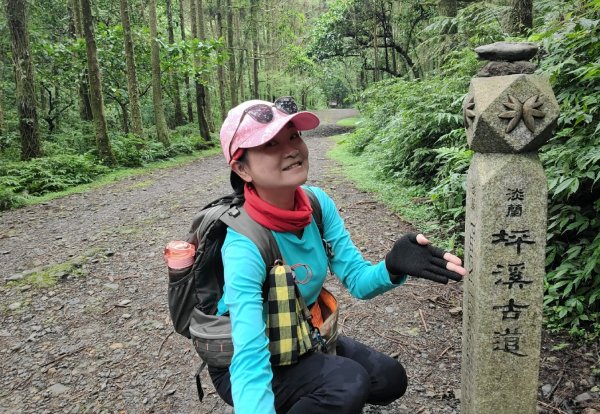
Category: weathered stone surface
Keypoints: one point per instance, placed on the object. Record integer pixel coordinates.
(509, 114)
(508, 51)
(506, 68)
(505, 239)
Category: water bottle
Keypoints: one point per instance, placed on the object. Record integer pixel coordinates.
(179, 256)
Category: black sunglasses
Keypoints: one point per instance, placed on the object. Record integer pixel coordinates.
(263, 113)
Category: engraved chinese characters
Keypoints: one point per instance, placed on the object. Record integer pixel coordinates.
(507, 119)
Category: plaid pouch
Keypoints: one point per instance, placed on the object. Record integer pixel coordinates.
(287, 327)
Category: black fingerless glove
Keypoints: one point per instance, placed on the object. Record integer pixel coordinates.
(408, 257)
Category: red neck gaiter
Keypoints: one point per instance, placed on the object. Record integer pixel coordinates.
(275, 218)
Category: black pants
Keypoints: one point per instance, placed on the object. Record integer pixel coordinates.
(321, 383)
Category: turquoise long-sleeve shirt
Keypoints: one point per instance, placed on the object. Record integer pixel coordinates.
(245, 273)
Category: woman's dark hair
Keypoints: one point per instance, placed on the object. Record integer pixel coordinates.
(236, 181)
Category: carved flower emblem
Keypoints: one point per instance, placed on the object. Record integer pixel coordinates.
(527, 110)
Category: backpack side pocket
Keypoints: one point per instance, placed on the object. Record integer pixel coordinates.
(181, 299)
(211, 335)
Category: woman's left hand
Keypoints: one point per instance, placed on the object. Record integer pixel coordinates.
(413, 255)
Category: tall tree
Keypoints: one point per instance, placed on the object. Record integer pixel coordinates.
(242, 46)
(255, 58)
(159, 112)
(186, 78)
(132, 83)
(200, 91)
(85, 107)
(233, 88)
(16, 16)
(96, 98)
(521, 17)
(174, 81)
(202, 37)
(220, 70)
(2, 127)
(447, 8)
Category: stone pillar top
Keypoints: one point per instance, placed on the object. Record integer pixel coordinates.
(507, 58)
(507, 51)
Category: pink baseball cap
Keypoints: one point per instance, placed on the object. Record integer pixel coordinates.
(241, 130)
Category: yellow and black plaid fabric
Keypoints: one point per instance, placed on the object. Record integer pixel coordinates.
(288, 331)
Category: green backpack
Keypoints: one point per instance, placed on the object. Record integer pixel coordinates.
(194, 293)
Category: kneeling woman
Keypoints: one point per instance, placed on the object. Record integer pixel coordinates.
(269, 160)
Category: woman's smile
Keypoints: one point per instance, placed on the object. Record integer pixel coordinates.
(292, 166)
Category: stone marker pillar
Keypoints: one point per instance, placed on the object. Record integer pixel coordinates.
(508, 113)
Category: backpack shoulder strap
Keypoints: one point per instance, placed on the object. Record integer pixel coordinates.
(241, 222)
(317, 211)
(318, 216)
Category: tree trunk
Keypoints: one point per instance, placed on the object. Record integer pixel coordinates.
(200, 93)
(447, 8)
(124, 116)
(97, 101)
(375, 56)
(132, 84)
(159, 113)
(232, 81)
(16, 17)
(202, 36)
(220, 71)
(186, 78)
(255, 58)
(2, 126)
(85, 106)
(521, 17)
(179, 118)
(242, 46)
(240, 74)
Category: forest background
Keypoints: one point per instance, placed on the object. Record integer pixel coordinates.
(89, 90)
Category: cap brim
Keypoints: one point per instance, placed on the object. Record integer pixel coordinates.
(303, 121)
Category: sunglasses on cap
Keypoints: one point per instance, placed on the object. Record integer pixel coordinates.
(263, 113)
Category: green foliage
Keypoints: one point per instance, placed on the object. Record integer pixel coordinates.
(405, 121)
(411, 131)
(132, 151)
(328, 38)
(77, 138)
(572, 163)
(44, 175)
(449, 189)
(128, 149)
(9, 199)
(186, 140)
(478, 24)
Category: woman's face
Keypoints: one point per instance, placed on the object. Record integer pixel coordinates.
(280, 163)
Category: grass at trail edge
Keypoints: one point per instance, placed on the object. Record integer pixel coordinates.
(410, 203)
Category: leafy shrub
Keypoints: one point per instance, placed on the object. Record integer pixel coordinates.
(9, 199)
(186, 139)
(411, 131)
(448, 193)
(153, 151)
(78, 138)
(128, 150)
(406, 120)
(48, 174)
(572, 163)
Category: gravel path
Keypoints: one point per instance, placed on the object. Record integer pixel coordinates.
(101, 341)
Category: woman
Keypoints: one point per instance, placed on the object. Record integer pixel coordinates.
(269, 161)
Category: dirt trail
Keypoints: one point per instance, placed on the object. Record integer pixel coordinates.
(101, 340)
